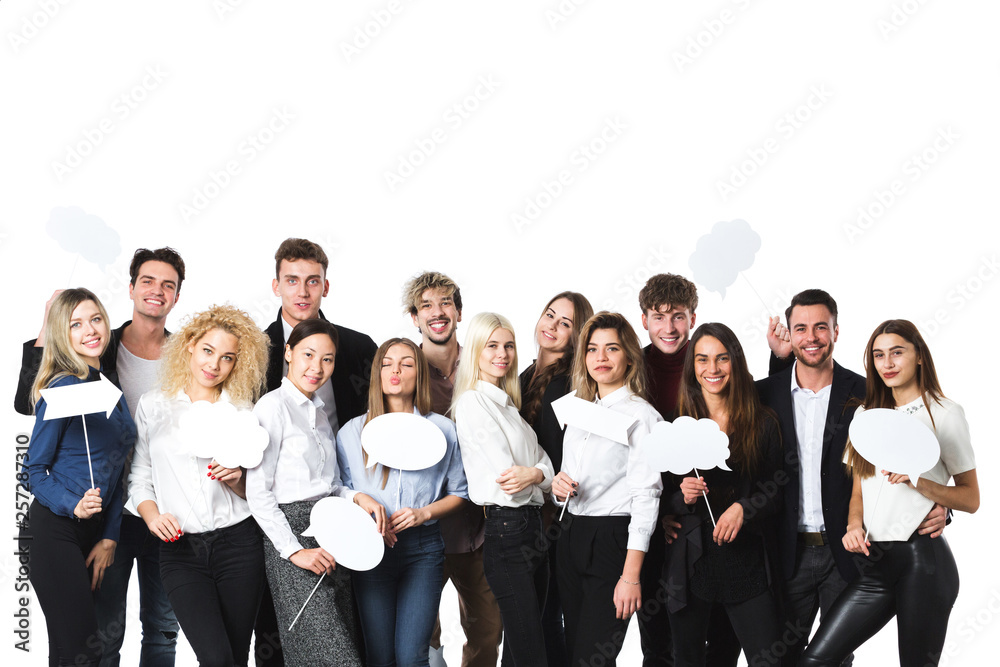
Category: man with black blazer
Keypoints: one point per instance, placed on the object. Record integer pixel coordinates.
(815, 399)
(300, 281)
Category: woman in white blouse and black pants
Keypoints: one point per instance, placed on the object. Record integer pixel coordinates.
(300, 467)
(507, 473)
(213, 572)
(613, 495)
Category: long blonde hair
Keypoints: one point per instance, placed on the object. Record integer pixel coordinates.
(480, 329)
(246, 381)
(59, 359)
(378, 405)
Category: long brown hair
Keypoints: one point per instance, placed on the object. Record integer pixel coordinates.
(746, 413)
(540, 379)
(878, 395)
(635, 377)
(378, 405)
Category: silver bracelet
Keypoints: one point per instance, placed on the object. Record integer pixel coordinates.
(630, 583)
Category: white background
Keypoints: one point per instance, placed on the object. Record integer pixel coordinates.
(884, 81)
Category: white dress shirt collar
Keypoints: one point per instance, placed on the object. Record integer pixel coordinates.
(620, 394)
(494, 393)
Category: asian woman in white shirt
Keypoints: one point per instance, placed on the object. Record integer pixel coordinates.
(213, 571)
(508, 473)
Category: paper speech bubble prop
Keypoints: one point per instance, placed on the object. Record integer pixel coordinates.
(592, 418)
(684, 445)
(347, 532)
(720, 255)
(219, 431)
(404, 441)
(895, 441)
(77, 231)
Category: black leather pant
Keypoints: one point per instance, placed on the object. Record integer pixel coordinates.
(916, 581)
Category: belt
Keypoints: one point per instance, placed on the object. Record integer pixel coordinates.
(500, 510)
(813, 539)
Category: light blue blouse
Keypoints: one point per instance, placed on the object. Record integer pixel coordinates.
(417, 488)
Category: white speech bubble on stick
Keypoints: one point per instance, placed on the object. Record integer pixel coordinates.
(404, 441)
(573, 411)
(219, 431)
(895, 441)
(685, 444)
(347, 533)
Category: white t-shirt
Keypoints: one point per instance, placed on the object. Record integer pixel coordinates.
(137, 376)
(901, 509)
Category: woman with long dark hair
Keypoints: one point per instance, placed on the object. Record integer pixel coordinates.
(907, 575)
(73, 467)
(213, 566)
(725, 563)
(544, 381)
(398, 599)
(613, 496)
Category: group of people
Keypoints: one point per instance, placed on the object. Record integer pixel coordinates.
(553, 535)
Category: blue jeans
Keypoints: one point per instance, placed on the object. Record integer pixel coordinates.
(159, 625)
(399, 598)
(515, 560)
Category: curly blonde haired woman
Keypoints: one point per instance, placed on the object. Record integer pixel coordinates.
(213, 573)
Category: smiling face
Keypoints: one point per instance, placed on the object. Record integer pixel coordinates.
(554, 331)
(897, 363)
(301, 284)
(606, 360)
(437, 316)
(399, 371)
(310, 363)
(712, 365)
(88, 333)
(499, 357)
(213, 357)
(155, 291)
(668, 327)
(813, 333)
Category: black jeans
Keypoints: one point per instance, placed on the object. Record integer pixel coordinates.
(57, 548)
(916, 581)
(214, 581)
(515, 561)
(755, 622)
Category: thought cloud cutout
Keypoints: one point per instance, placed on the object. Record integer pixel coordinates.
(684, 445)
(82, 233)
(404, 441)
(720, 255)
(895, 441)
(347, 532)
(219, 431)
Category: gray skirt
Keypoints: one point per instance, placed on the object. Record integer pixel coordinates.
(326, 632)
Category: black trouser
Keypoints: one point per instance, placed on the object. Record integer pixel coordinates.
(916, 581)
(57, 548)
(591, 555)
(755, 622)
(214, 581)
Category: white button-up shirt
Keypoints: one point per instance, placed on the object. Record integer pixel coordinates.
(809, 414)
(493, 437)
(614, 479)
(300, 461)
(165, 471)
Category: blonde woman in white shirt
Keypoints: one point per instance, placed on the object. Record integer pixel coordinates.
(907, 575)
(613, 495)
(213, 572)
(507, 473)
(300, 467)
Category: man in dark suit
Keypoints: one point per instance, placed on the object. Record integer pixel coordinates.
(300, 281)
(814, 398)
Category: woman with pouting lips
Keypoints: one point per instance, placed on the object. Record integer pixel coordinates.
(544, 381)
(213, 571)
(398, 599)
(508, 473)
(726, 563)
(612, 496)
(907, 575)
(300, 467)
(73, 467)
